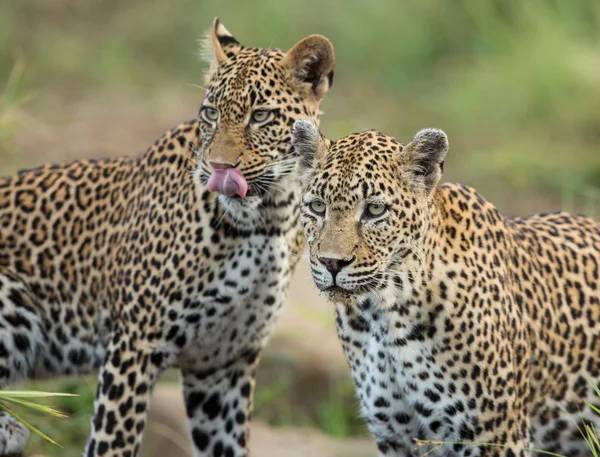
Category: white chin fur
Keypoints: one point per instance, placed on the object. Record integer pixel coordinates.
(243, 212)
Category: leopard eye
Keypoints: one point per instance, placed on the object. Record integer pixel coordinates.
(209, 114)
(260, 116)
(318, 207)
(375, 210)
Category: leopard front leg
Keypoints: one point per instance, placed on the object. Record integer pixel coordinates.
(22, 342)
(13, 435)
(125, 385)
(219, 404)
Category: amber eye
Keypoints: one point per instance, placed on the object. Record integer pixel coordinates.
(318, 207)
(209, 114)
(260, 116)
(375, 210)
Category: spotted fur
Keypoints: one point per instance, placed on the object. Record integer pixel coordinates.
(458, 324)
(131, 265)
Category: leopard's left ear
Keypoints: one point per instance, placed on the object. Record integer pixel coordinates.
(422, 160)
(310, 64)
(309, 145)
(218, 46)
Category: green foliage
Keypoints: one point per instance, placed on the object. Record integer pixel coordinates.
(586, 201)
(590, 434)
(339, 415)
(591, 438)
(515, 84)
(12, 102)
(8, 398)
(71, 432)
(269, 394)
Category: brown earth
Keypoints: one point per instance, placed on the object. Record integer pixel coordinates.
(167, 435)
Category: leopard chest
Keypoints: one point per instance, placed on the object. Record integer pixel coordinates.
(404, 391)
(236, 301)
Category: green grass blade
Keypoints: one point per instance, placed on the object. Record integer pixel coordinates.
(591, 439)
(596, 447)
(596, 388)
(28, 425)
(596, 441)
(595, 408)
(35, 406)
(594, 436)
(31, 394)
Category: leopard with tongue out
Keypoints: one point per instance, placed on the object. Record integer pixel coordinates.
(179, 257)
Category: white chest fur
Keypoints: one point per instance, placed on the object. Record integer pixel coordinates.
(404, 391)
(239, 302)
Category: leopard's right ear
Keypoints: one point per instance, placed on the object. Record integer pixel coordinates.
(218, 46)
(309, 146)
(422, 160)
(310, 65)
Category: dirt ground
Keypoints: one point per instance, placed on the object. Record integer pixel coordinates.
(167, 435)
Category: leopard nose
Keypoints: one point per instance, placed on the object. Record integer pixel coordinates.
(335, 265)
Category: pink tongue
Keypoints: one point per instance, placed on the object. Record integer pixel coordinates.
(229, 182)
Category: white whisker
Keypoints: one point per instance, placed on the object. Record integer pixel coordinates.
(196, 86)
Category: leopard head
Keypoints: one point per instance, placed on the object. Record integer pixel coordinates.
(253, 97)
(367, 205)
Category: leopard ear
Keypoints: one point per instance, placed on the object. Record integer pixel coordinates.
(218, 46)
(422, 160)
(309, 146)
(310, 64)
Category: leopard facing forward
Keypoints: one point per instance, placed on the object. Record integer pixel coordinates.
(459, 325)
(133, 265)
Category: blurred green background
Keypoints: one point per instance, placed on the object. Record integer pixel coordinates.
(515, 84)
